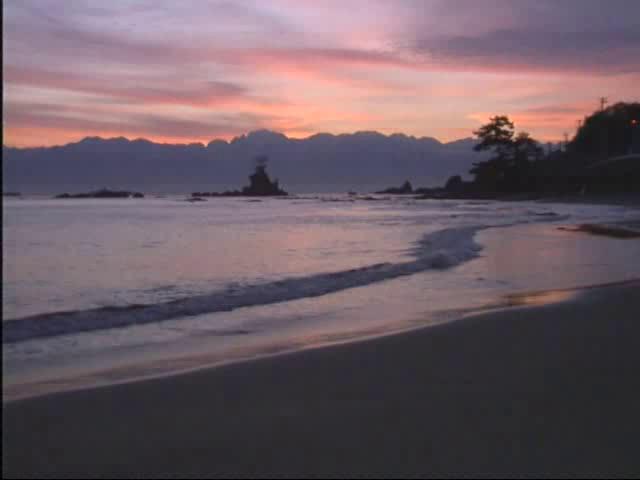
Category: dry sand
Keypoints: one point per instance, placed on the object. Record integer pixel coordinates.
(540, 390)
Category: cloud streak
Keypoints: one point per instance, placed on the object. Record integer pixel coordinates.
(572, 36)
(601, 52)
(108, 122)
(418, 66)
(134, 89)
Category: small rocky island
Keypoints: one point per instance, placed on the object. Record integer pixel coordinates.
(405, 189)
(260, 185)
(103, 193)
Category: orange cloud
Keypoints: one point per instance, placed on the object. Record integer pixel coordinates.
(136, 89)
(546, 122)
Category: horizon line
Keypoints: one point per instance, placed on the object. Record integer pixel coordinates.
(235, 138)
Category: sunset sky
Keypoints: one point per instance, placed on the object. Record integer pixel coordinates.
(195, 70)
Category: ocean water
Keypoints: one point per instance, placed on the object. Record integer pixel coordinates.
(98, 291)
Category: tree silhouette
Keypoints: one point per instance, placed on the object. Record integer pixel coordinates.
(606, 133)
(599, 159)
(509, 169)
(526, 151)
(495, 136)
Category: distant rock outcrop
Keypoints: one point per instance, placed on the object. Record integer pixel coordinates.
(103, 193)
(455, 187)
(454, 184)
(260, 185)
(405, 189)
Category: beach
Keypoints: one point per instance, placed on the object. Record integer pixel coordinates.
(286, 242)
(531, 390)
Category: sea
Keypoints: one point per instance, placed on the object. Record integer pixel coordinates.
(101, 291)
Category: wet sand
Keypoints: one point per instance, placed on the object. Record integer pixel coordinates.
(615, 231)
(532, 390)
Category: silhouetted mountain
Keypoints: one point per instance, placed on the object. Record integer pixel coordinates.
(365, 161)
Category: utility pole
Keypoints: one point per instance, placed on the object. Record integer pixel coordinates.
(566, 140)
(603, 103)
(634, 147)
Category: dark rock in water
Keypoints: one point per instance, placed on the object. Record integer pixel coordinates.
(405, 189)
(455, 188)
(103, 193)
(11, 194)
(454, 184)
(260, 185)
(195, 199)
(430, 192)
(369, 198)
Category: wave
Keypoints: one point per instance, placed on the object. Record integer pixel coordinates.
(438, 250)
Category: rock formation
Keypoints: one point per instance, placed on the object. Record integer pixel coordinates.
(260, 185)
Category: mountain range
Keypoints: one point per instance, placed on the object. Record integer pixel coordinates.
(362, 161)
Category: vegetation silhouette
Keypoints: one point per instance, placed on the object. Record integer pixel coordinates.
(510, 167)
(602, 157)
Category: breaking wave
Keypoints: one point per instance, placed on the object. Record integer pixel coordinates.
(439, 250)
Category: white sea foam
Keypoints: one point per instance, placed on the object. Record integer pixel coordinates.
(438, 250)
(104, 267)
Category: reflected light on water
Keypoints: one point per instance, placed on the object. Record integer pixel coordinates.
(540, 298)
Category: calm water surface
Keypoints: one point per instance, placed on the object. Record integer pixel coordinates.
(103, 290)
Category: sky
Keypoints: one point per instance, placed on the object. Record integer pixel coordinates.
(196, 70)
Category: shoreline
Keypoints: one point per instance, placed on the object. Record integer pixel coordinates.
(615, 199)
(187, 361)
(109, 377)
(533, 389)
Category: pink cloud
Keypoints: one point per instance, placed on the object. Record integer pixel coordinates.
(137, 89)
(546, 122)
